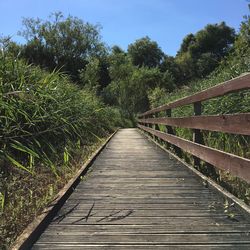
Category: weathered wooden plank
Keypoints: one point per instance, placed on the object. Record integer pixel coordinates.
(145, 167)
(144, 247)
(149, 197)
(233, 85)
(154, 229)
(129, 220)
(141, 179)
(100, 213)
(145, 200)
(146, 203)
(236, 165)
(150, 206)
(170, 185)
(141, 190)
(149, 239)
(153, 174)
(235, 123)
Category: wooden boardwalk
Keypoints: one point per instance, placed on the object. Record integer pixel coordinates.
(136, 196)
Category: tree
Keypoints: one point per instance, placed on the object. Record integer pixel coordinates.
(144, 52)
(90, 76)
(173, 69)
(242, 43)
(63, 43)
(186, 43)
(216, 39)
(201, 53)
(116, 50)
(157, 97)
(129, 83)
(96, 75)
(9, 47)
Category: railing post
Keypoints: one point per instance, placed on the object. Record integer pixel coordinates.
(144, 117)
(172, 132)
(169, 128)
(150, 126)
(156, 127)
(145, 124)
(153, 127)
(197, 135)
(198, 138)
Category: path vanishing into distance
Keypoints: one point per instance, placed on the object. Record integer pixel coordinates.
(137, 196)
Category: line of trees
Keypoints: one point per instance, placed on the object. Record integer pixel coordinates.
(121, 78)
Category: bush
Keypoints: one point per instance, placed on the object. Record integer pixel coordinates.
(40, 113)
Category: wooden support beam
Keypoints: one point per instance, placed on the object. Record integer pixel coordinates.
(234, 123)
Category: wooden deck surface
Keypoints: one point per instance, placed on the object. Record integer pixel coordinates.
(136, 196)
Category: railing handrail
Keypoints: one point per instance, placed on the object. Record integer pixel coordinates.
(228, 123)
(236, 84)
(236, 165)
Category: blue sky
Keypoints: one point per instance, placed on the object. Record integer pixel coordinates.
(124, 21)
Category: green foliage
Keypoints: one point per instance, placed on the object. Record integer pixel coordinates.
(10, 47)
(156, 96)
(62, 43)
(2, 202)
(40, 113)
(239, 60)
(201, 53)
(129, 85)
(144, 52)
(95, 75)
(215, 39)
(242, 43)
(90, 76)
(173, 69)
(187, 42)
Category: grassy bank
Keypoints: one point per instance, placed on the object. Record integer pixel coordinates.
(48, 126)
(28, 195)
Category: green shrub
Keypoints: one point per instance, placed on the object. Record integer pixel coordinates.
(41, 113)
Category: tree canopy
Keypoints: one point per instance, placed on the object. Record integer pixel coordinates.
(201, 53)
(145, 52)
(65, 43)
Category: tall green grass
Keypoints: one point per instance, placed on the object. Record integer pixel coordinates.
(232, 66)
(42, 114)
(46, 124)
(44, 118)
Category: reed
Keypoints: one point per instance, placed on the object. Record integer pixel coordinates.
(47, 124)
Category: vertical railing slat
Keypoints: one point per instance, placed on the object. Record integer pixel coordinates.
(172, 132)
(197, 134)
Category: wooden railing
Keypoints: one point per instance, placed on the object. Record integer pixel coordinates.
(229, 123)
